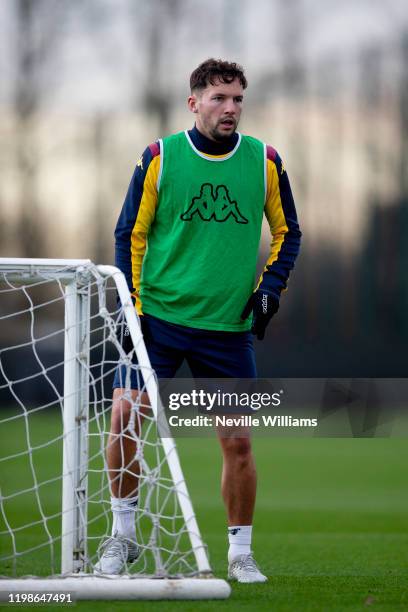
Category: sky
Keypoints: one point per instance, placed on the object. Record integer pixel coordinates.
(98, 59)
(99, 63)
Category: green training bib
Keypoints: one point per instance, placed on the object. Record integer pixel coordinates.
(200, 263)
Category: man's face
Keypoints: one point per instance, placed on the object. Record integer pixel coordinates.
(218, 108)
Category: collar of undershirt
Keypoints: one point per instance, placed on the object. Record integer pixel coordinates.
(210, 147)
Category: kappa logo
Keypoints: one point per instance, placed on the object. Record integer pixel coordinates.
(213, 203)
(265, 303)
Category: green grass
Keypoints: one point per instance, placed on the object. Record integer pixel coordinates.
(330, 528)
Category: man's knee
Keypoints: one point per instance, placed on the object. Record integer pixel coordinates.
(237, 449)
(122, 407)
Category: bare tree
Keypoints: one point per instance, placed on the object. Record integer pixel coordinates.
(101, 241)
(161, 25)
(403, 107)
(37, 25)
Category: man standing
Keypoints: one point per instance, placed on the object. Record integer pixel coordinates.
(187, 241)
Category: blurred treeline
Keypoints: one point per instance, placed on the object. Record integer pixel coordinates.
(85, 86)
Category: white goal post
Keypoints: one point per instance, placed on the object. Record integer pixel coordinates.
(60, 344)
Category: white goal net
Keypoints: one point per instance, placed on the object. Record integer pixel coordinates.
(61, 323)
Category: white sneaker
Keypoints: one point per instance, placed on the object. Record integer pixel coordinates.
(244, 569)
(115, 553)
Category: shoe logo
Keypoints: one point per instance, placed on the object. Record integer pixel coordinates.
(234, 531)
(213, 203)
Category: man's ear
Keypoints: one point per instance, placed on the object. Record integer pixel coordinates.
(192, 103)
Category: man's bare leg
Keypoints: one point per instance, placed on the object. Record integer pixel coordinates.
(124, 473)
(122, 447)
(238, 487)
(238, 481)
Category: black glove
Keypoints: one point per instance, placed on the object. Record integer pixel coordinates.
(122, 330)
(263, 306)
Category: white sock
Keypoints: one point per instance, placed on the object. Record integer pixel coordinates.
(239, 537)
(124, 511)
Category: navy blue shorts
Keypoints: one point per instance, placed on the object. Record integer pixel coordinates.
(209, 354)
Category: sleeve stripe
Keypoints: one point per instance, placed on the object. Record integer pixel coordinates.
(154, 149)
(286, 238)
(161, 151)
(129, 213)
(266, 171)
(145, 216)
(291, 242)
(271, 153)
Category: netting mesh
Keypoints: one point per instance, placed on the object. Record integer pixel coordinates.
(32, 404)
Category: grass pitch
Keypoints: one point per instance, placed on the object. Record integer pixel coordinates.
(330, 528)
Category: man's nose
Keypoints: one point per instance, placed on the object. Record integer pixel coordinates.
(230, 106)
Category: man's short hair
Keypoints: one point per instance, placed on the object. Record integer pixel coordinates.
(212, 70)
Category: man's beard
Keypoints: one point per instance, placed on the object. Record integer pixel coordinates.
(220, 137)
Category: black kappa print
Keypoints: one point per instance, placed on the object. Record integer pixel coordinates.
(213, 204)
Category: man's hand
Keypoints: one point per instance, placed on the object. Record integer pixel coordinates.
(122, 331)
(263, 306)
